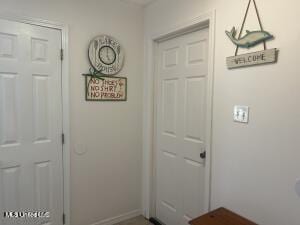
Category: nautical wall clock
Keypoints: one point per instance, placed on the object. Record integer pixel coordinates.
(106, 55)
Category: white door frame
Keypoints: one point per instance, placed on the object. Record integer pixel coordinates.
(65, 98)
(149, 110)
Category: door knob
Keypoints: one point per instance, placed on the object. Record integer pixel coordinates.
(203, 155)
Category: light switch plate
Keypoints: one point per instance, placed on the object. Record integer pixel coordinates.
(241, 114)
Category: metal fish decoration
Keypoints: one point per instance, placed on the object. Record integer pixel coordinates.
(251, 39)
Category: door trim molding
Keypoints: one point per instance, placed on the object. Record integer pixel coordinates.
(65, 97)
(149, 107)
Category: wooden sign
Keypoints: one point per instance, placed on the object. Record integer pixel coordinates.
(249, 40)
(106, 88)
(251, 59)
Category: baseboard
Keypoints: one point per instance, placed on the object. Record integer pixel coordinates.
(120, 218)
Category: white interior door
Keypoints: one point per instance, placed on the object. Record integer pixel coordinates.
(182, 85)
(31, 174)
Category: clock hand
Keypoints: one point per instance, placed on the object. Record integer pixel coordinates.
(107, 55)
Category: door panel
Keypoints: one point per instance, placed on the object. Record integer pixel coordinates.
(8, 45)
(40, 108)
(9, 119)
(194, 175)
(31, 172)
(10, 178)
(169, 107)
(170, 57)
(194, 113)
(182, 74)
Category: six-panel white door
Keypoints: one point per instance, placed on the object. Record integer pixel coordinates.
(31, 169)
(182, 83)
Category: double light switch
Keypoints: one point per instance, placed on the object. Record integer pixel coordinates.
(241, 114)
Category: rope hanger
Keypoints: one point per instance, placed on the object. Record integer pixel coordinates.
(243, 24)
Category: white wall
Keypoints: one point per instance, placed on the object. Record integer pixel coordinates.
(255, 166)
(105, 182)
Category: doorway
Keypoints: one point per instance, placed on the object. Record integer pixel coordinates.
(32, 165)
(182, 121)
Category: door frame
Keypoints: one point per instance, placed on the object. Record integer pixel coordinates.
(65, 97)
(150, 109)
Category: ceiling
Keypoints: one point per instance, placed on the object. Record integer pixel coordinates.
(139, 2)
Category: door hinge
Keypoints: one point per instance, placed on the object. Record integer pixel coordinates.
(61, 54)
(63, 138)
(64, 218)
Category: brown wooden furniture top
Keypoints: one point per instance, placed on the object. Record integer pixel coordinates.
(221, 216)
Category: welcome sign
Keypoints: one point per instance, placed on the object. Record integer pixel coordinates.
(249, 40)
(106, 88)
(251, 59)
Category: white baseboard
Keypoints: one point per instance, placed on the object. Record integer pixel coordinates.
(120, 218)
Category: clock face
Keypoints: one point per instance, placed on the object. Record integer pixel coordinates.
(106, 55)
